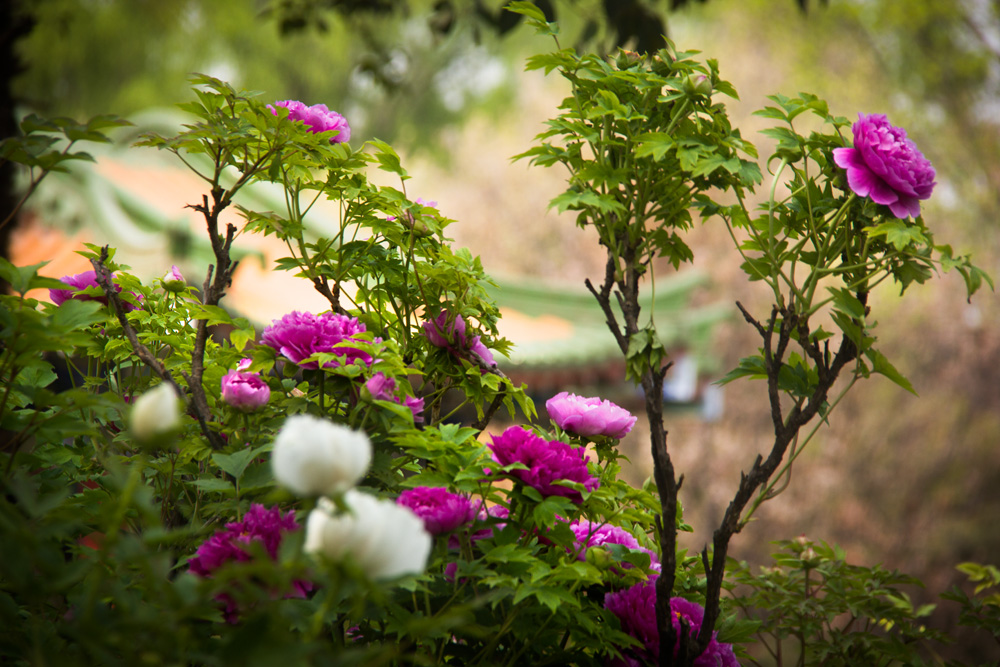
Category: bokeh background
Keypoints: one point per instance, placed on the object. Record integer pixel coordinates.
(909, 482)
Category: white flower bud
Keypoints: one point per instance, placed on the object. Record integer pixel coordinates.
(314, 456)
(384, 539)
(155, 413)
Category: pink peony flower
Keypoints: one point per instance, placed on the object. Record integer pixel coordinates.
(635, 609)
(317, 118)
(547, 461)
(589, 416)
(448, 332)
(479, 349)
(445, 331)
(441, 511)
(245, 391)
(266, 527)
(886, 166)
(383, 388)
(591, 534)
(80, 282)
(299, 335)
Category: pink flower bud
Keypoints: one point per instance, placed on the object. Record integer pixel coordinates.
(173, 281)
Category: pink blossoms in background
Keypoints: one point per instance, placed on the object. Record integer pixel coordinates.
(547, 461)
(317, 118)
(635, 609)
(447, 331)
(299, 335)
(589, 416)
(886, 166)
(267, 527)
(383, 388)
(441, 510)
(593, 534)
(79, 282)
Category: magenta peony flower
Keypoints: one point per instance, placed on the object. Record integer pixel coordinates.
(886, 166)
(80, 282)
(635, 609)
(591, 534)
(441, 511)
(299, 335)
(245, 391)
(317, 118)
(448, 332)
(267, 527)
(589, 416)
(383, 388)
(547, 461)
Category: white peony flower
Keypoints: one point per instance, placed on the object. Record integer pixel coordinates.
(314, 456)
(155, 413)
(385, 539)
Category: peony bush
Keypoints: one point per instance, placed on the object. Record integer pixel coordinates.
(152, 502)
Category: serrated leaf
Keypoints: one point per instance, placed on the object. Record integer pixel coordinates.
(234, 464)
(882, 366)
(847, 303)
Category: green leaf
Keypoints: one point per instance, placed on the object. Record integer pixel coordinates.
(526, 9)
(898, 233)
(215, 485)
(235, 464)
(882, 366)
(240, 337)
(214, 314)
(75, 314)
(25, 278)
(847, 303)
(751, 367)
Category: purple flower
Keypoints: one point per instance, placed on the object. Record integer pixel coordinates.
(80, 282)
(448, 332)
(245, 391)
(441, 511)
(589, 416)
(317, 118)
(886, 166)
(547, 461)
(480, 350)
(636, 610)
(383, 388)
(591, 534)
(299, 335)
(267, 528)
(445, 331)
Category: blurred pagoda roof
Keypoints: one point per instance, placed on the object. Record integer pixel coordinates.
(136, 201)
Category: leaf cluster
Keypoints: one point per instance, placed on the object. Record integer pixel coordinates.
(812, 607)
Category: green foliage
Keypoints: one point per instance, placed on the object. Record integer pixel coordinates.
(981, 610)
(814, 608)
(99, 530)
